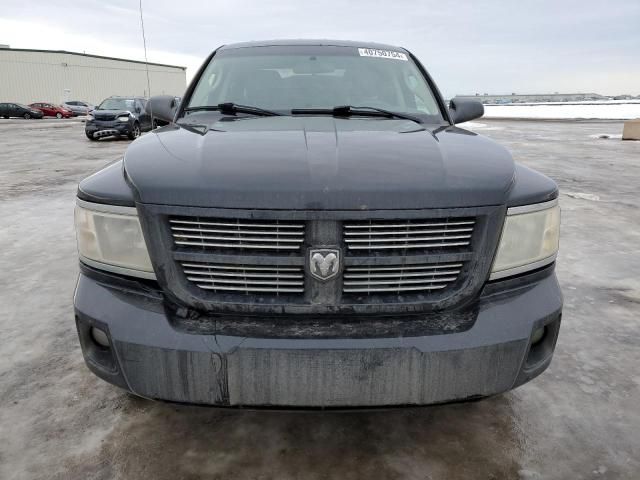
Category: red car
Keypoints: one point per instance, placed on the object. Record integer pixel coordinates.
(51, 110)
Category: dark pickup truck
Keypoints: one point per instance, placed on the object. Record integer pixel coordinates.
(313, 230)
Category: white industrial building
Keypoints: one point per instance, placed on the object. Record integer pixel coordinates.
(28, 76)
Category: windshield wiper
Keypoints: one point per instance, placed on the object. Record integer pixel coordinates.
(231, 108)
(348, 110)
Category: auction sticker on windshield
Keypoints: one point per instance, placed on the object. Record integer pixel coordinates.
(374, 52)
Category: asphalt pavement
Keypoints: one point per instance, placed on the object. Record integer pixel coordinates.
(578, 420)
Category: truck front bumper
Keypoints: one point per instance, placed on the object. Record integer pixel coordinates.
(149, 356)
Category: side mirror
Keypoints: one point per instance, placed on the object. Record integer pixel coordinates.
(464, 110)
(162, 107)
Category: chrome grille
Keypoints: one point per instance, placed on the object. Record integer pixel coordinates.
(227, 278)
(400, 278)
(262, 262)
(212, 233)
(404, 234)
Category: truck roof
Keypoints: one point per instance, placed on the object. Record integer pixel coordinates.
(310, 42)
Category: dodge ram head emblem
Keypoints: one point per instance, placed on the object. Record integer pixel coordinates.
(324, 263)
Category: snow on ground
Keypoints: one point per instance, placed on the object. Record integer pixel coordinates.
(478, 125)
(612, 110)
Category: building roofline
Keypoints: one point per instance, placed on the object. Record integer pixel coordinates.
(90, 55)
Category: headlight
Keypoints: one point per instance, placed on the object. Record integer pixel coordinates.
(109, 237)
(530, 239)
(89, 117)
(124, 118)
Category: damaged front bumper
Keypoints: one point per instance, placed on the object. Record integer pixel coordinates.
(99, 129)
(156, 353)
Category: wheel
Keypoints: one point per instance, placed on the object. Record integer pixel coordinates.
(5, 116)
(90, 136)
(154, 125)
(27, 116)
(58, 115)
(135, 131)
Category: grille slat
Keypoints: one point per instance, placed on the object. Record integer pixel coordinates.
(222, 281)
(239, 223)
(238, 245)
(398, 283)
(179, 230)
(240, 267)
(253, 289)
(398, 290)
(402, 246)
(400, 278)
(238, 237)
(406, 239)
(413, 232)
(243, 275)
(409, 222)
(405, 267)
(243, 234)
(410, 234)
(406, 274)
(245, 278)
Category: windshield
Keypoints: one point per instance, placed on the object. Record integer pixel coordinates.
(117, 104)
(294, 77)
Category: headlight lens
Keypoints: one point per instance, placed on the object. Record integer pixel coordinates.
(530, 239)
(110, 237)
(89, 117)
(123, 119)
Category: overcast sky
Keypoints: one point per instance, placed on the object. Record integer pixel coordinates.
(492, 46)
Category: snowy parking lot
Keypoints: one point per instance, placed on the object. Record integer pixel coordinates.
(611, 110)
(580, 419)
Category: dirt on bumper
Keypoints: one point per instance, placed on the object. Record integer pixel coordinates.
(153, 359)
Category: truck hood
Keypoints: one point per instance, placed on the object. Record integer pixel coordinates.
(318, 162)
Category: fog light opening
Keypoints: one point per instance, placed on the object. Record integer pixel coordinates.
(538, 335)
(99, 337)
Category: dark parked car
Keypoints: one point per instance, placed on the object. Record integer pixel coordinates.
(51, 110)
(313, 230)
(8, 110)
(78, 107)
(118, 116)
